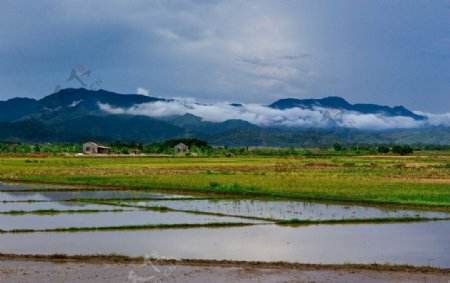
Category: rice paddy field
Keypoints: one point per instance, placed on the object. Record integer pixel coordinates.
(421, 180)
(326, 210)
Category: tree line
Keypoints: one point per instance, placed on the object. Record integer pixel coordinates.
(202, 148)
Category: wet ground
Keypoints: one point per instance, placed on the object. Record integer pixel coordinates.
(41, 271)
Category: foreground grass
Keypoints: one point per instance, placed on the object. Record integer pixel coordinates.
(412, 181)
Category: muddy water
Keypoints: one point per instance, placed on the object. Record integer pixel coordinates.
(424, 243)
(289, 209)
(67, 195)
(106, 219)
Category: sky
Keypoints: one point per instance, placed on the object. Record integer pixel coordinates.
(383, 52)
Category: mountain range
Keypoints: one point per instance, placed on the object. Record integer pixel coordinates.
(77, 115)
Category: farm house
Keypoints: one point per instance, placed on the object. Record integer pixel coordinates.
(180, 147)
(93, 148)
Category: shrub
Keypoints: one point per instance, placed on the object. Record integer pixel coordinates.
(383, 149)
(402, 149)
(338, 147)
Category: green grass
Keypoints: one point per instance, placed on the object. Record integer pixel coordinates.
(422, 180)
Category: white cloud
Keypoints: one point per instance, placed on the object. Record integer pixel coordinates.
(75, 103)
(436, 119)
(266, 116)
(143, 91)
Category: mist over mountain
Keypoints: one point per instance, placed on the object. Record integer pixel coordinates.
(75, 115)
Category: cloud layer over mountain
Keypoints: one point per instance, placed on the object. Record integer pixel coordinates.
(262, 115)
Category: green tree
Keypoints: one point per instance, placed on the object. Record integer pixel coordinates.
(383, 149)
(402, 149)
(338, 147)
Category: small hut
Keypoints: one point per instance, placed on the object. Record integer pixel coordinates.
(181, 147)
(93, 148)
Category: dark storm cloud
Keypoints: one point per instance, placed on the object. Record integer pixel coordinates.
(385, 52)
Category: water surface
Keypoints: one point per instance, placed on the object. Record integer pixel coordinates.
(289, 209)
(424, 243)
(107, 219)
(92, 194)
(59, 205)
(37, 187)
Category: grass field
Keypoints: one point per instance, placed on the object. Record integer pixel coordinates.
(419, 180)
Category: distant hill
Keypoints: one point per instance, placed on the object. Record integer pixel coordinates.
(334, 102)
(122, 128)
(75, 115)
(17, 108)
(69, 97)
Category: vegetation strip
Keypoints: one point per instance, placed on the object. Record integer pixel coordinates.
(282, 221)
(105, 199)
(133, 199)
(116, 258)
(225, 215)
(27, 201)
(226, 224)
(199, 212)
(132, 227)
(296, 221)
(54, 211)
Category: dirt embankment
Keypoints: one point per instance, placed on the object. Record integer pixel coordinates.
(18, 268)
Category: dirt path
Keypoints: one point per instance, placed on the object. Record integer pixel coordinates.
(47, 271)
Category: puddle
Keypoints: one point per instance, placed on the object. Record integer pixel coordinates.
(97, 194)
(289, 209)
(61, 205)
(106, 219)
(424, 243)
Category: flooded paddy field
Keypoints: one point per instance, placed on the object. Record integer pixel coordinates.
(58, 195)
(107, 219)
(56, 205)
(213, 236)
(285, 209)
(32, 187)
(419, 244)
